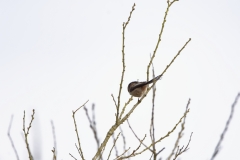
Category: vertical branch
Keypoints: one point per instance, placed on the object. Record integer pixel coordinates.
(123, 60)
(114, 146)
(54, 139)
(217, 148)
(54, 154)
(160, 35)
(75, 125)
(92, 123)
(26, 133)
(10, 138)
(124, 139)
(152, 129)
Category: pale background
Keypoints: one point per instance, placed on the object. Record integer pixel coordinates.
(55, 55)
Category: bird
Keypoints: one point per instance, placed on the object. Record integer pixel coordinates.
(138, 89)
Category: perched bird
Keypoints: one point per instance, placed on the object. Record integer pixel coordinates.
(138, 89)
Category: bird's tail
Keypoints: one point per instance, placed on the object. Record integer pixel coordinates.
(154, 79)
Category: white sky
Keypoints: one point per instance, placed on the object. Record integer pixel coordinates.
(55, 55)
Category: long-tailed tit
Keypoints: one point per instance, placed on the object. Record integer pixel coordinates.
(138, 89)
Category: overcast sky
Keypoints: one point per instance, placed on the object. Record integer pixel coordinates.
(56, 55)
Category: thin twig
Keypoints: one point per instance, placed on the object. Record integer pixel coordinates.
(127, 103)
(217, 148)
(92, 123)
(152, 129)
(182, 150)
(175, 56)
(114, 100)
(124, 139)
(114, 146)
(10, 138)
(54, 154)
(72, 156)
(26, 133)
(115, 126)
(180, 134)
(160, 139)
(134, 151)
(122, 154)
(123, 61)
(160, 35)
(54, 138)
(138, 137)
(75, 125)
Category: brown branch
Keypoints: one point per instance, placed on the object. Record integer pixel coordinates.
(120, 121)
(114, 146)
(75, 125)
(123, 61)
(122, 153)
(140, 100)
(138, 137)
(152, 129)
(10, 138)
(115, 126)
(26, 133)
(160, 139)
(72, 156)
(180, 134)
(134, 151)
(124, 107)
(182, 150)
(160, 36)
(54, 138)
(217, 148)
(124, 139)
(175, 56)
(114, 101)
(54, 154)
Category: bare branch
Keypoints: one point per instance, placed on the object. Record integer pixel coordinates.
(152, 129)
(72, 156)
(124, 139)
(75, 125)
(122, 153)
(123, 61)
(134, 151)
(54, 154)
(114, 101)
(159, 140)
(114, 146)
(138, 137)
(180, 134)
(10, 138)
(182, 150)
(26, 133)
(93, 124)
(160, 35)
(118, 120)
(217, 148)
(54, 138)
